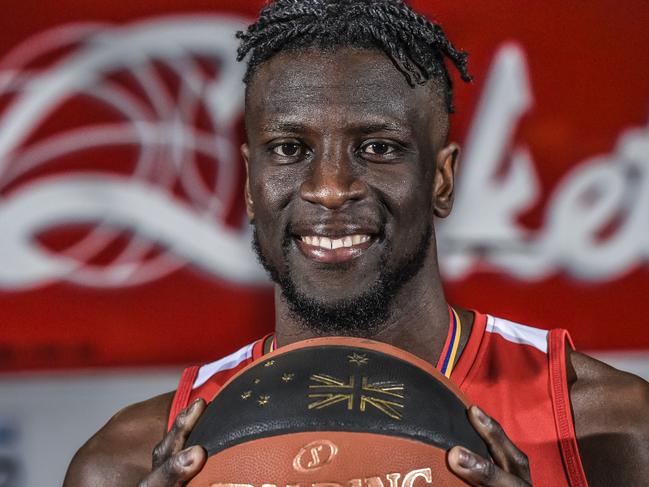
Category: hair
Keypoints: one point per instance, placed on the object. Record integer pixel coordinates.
(416, 46)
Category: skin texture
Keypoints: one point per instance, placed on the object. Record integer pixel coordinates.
(337, 185)
(339, 141)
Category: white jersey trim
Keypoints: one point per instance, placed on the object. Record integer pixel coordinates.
(517, 333)
(225, 363)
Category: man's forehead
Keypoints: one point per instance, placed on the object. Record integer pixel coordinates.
(345, 66)
(317, 91)
(362, 79)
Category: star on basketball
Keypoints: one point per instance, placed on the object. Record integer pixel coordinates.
(358, 359)
(263, 400)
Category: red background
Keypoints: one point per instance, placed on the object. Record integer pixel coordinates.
(589, 71)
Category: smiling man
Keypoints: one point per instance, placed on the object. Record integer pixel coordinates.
(340, 189)
(349, 163)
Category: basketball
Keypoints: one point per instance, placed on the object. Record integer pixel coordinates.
(334, 412)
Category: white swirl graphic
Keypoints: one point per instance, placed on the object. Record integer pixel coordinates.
(125, 205)
(165, 200)
(596, 225)
(174, 93)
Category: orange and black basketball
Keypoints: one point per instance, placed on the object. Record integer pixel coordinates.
(334, 412)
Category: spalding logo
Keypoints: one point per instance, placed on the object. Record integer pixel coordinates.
(315, 455)
(393, 479)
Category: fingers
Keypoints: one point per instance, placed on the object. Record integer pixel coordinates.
(171, 464)
(509, 468)
(174, 440)
(480, 472)
(504, 453)
(180, 467)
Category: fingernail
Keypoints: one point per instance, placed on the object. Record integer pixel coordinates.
(482, 417)
(186, 457)
(194, 405)
(185, 414)
(466, 459)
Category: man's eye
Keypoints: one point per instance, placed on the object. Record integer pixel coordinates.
(287, 150)
(378, 149)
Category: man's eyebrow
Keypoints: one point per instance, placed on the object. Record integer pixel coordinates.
(283, 127)
(380, 127)
(360, 128)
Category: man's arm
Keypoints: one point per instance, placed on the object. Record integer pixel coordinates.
(611, 413)
(133, 448)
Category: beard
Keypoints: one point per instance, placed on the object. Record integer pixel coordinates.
(362, 315)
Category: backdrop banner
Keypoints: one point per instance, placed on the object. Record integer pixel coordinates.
(123, 235)
(45, 418)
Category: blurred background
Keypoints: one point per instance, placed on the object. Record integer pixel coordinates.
(124, 247)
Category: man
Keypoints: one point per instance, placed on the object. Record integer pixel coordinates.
(348, 163)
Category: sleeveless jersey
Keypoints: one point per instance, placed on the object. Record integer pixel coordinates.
(515, 373)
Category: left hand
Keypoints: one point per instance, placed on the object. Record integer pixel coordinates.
(509, 468)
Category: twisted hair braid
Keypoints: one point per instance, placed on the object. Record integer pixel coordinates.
(416, 46)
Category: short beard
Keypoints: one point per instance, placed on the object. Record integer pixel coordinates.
(361, 316)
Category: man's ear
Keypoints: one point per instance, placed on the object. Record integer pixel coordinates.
(444, 181)
(245, 152)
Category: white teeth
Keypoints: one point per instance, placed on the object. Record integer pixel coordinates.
(330, 244)
(359, 239)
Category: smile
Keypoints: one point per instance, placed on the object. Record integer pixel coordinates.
(336, 243)
(334, 249)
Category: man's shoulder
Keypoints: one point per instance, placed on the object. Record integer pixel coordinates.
(617, 397)
(126, 440)
(611, 412)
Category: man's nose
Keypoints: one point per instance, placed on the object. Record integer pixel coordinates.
(332, 183)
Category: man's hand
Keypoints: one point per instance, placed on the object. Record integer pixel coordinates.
(509, 468)
(171, 464)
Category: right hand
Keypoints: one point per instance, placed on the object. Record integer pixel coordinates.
(172, 465)
(510, 466)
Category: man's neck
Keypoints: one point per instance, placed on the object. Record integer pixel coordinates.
(418, 322)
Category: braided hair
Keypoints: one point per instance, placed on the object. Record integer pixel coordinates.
(416, 46)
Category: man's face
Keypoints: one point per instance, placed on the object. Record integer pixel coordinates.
(343, 180)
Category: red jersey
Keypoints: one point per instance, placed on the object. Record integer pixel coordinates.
(516, 373)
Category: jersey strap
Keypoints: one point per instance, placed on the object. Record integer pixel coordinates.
(517, 375)
(203, 381)
(557, 341)
(181, 398)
